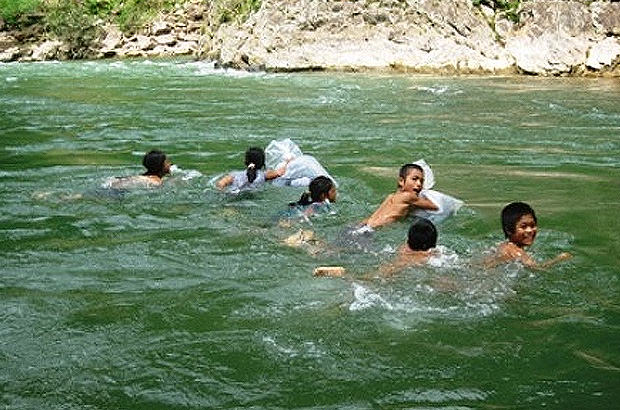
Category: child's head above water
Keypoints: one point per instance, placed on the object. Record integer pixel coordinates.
(321, 188)
(519, 223)
(422, 235)
(156, 163)
(411, 178)
(254, 160)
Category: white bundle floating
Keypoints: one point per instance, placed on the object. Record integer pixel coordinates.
(447, 204)
(300, 170)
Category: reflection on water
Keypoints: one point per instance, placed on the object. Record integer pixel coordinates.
(184, 297)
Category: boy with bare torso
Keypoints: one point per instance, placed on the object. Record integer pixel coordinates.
(398, 205)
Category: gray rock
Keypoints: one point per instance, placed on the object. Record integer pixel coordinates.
(603, 54)
(159, 28)
(185, 48)
(139, 42)
(7, 41)
(166, 39)
(291, 35)
(160, 50)
(113, 38)
(46, 51)
(552, 38)
(10, 54)
(607, 17)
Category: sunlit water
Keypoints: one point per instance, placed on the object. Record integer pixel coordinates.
(182, 297)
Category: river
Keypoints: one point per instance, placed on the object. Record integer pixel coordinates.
(183, 297)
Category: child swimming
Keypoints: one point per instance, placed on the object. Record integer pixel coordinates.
(417, 250)
(398, 204)
(157, 166)
(254, 176)
(520, 227)
(322, 192)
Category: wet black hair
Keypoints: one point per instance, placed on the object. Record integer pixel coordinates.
(422, 234)
(512, 213)
(153, 161)
(256, 156)
(405, 169)
(318, 186)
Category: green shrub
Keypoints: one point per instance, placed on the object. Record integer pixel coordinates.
(236, 10)
(508, 7)
(134, 14)
(71, 22)
(12, 10)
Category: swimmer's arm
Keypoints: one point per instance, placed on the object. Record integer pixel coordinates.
(508, 252)
(276, 173)
(423, 203)
(224, 181)
(559, 258)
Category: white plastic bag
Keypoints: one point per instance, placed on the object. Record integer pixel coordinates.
(447, 204)
(278, 152)
(300, 171)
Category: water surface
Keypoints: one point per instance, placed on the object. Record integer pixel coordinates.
(182, 297)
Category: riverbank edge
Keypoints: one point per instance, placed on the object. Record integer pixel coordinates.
(552, 38)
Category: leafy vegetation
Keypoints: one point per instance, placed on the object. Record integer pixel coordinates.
(508, 7)
(12, 10)
(235, 10)
(129, 14)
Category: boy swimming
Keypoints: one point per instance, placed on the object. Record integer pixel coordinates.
(157, 166)
(254, 175)
(398, 205)
(417, 250)
(520, 227)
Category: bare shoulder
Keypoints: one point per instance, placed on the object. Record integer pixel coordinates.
(137, 181)
(405, 197)
(509, 250)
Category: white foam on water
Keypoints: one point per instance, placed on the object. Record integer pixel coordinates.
(305, 349)
(185, 175)
(365, 298)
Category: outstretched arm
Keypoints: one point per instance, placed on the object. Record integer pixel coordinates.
(559, 258)
(224, 181)
(275, 173)
(509, 251)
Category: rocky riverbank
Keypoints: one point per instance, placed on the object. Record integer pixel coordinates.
(427, 36)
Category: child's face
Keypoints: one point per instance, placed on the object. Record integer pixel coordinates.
(525, 231)
(167, 165)
(331, 195)
(413, 182)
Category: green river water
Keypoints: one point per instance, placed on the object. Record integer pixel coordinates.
(186, 298)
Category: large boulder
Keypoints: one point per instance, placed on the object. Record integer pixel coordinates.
(422, 35)
(46, 51)
(9, 54)
(113, 38)
(603, 54)
(552, 38)
(607, 17)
